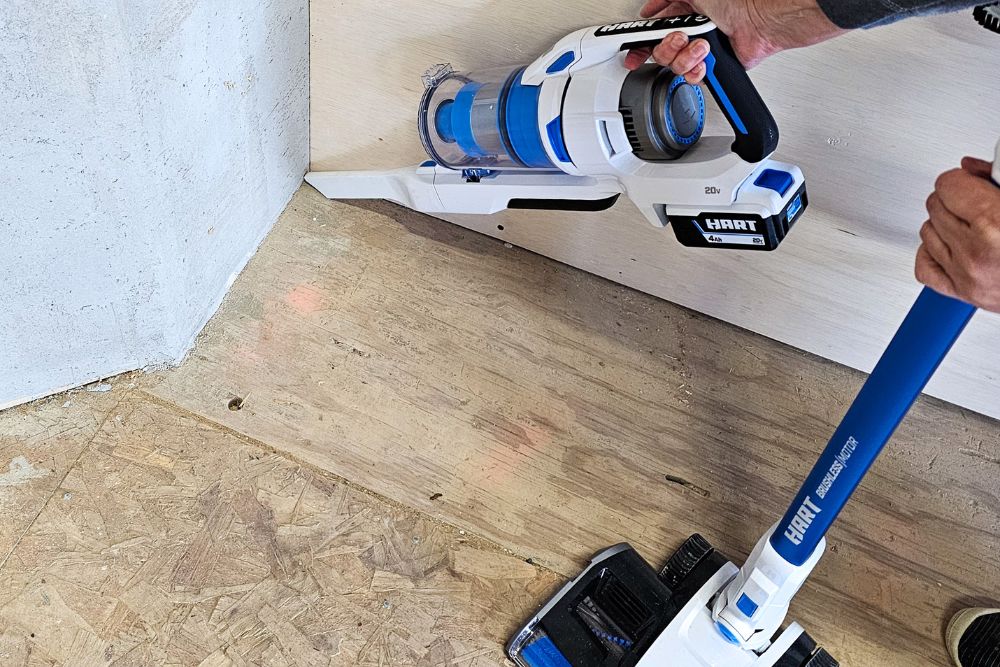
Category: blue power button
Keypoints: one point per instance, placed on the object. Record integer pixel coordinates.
(773, 179)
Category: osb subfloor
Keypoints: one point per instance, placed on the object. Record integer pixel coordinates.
(397, 438)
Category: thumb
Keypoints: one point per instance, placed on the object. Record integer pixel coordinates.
(932, 274)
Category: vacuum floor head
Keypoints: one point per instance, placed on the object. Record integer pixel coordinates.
(614, 613)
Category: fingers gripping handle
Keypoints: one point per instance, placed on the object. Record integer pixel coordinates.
(730, 85)
(752, 123)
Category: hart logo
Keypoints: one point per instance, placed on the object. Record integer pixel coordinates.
(725, 224)
(796, 531)
(624, 27)
(676, 22)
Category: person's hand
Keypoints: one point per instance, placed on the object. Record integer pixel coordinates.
(960, 253)
(756, 29)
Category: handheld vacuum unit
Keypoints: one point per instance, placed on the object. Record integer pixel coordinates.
(574, 130)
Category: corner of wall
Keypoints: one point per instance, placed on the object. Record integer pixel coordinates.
(170, 168)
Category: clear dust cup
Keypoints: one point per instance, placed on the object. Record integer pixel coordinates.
(482, 120)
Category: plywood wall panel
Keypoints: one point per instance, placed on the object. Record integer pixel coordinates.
(872, 119)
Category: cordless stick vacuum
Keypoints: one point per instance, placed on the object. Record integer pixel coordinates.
(700, 610)
(575, 130)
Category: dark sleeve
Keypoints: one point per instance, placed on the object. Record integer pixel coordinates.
(852, 14)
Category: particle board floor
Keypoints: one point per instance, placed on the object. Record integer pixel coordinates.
(170, 540)
(397, 436)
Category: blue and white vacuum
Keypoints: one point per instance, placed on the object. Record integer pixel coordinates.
(575, 130)
(701, 610)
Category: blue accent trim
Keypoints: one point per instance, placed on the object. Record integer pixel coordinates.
(621, 641)
(521, 120)
(793, 209)
(555, 132)
(562, 62)
(716, 85)
(478, 174)
(543, 653)
(691, 138)
(443, 121)
(727, 633)
(773, 179)
(919, 347)
(461, 120)
(429, 163)
(747, 606)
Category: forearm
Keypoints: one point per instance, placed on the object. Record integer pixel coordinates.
(852, 14)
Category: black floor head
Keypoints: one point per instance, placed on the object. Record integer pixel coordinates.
(979, 645)
(611, 614)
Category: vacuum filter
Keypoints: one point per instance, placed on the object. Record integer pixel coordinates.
(482, 120)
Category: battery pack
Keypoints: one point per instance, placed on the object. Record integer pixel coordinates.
(738, 231)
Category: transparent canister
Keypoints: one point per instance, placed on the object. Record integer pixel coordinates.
(482, 120)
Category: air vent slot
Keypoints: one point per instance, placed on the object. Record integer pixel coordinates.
(609, 147)
(630, 131)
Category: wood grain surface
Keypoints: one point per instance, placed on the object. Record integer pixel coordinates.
(39, 444)
(872, 119)
(173, 542)
(555, 413)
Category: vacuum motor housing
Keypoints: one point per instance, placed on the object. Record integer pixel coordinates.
(664, 115)
(489, 120)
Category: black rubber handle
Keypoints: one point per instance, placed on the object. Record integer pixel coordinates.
(730, 85)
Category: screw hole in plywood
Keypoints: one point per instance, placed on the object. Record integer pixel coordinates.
(236, 404)
(680, 481)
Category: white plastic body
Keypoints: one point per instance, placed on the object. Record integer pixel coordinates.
(441, 190)
(692, 640)
(586, 94)
(769, 582)
(592, 49)
(996, 166)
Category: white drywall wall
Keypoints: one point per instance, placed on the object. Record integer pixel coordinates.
(146, 148)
